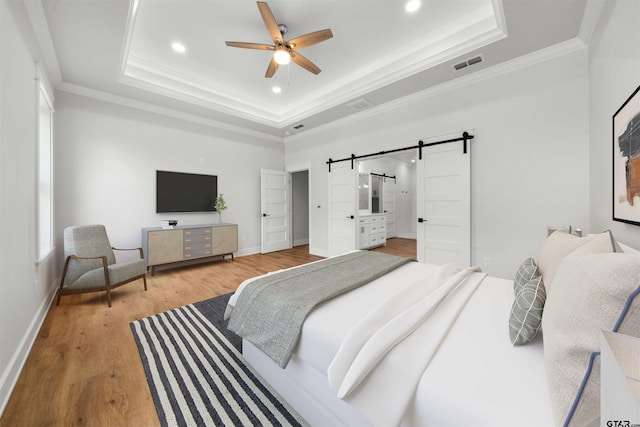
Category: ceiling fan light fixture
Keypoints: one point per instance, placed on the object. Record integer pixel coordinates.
(282, 56)
(284, 51)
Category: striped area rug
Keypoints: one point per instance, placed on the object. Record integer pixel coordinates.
(198, 378)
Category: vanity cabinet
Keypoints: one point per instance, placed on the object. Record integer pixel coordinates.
(372, 231)
(171, 246)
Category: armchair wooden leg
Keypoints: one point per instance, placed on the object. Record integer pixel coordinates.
(144, 278)
(64, 274)
(106, 280)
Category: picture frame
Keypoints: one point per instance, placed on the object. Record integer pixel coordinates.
(626, 161)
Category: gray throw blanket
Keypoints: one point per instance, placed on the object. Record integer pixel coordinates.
(270, 311)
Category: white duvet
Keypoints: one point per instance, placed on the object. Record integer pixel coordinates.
(475, 378)
(382, 358)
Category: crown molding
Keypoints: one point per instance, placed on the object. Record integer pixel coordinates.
(481, 75)
(163, 111)
(590, 19)
(519, 63)
(149, 79)
(152, 77)
(184, 82)
(487, 26)
(128, 35)
(42, 78)
(40, 27)
(468, 32)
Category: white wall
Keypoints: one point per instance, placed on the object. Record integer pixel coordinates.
(530, 156)
(26, 286)
(106, 160)
(614, 73)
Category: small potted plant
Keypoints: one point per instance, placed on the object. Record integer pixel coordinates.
(220, 205)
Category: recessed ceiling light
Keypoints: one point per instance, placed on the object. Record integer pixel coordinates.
(413, 160)
(178, 47)
(276, 89)
(412, 6)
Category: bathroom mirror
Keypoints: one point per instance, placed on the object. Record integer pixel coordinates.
(376, 194)
(369, 193)
(363, 193)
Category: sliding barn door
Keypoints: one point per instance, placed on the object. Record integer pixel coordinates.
(343, 208)
(275, 190)
(444, 204)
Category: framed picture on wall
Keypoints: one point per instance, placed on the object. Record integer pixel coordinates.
(626, 161)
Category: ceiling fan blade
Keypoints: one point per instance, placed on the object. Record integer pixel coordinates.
(271, 69)
(270, 22)
(304, 63)
(310, 39)
(259, 46)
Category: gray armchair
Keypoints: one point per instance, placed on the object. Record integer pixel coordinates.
(90, 264)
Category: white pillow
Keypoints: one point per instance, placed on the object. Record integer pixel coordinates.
(601, 243)
(561, 243)
(590, 294)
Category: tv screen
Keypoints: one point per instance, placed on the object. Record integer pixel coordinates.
(185, 192)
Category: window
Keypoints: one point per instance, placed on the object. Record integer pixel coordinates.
(45, 181)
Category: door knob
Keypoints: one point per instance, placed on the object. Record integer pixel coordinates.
(421, 220)
(350, 217)
(264, 214)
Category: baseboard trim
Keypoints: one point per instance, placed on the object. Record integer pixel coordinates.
(12, 373)
(301, 242)
(413, 236)
(318, 251)
(248, 251)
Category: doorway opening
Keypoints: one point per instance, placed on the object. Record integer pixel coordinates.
(393, 191)
(300, 208)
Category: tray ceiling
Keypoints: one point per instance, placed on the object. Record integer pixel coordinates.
(378, 52)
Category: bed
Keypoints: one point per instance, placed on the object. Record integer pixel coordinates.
(474, 374)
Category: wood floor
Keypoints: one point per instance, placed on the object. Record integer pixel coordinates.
(84, 368)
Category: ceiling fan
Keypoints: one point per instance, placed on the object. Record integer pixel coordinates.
(284, 51)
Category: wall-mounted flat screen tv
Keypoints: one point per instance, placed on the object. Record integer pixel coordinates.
(185, 192)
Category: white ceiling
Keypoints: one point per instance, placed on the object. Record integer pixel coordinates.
(121, 49)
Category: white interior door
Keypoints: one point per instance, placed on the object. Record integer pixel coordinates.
(389, 205)
(444, 205)
(343, 208)
(275, 203)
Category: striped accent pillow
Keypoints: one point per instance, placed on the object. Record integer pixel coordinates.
(525, 318)
(528, 270)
